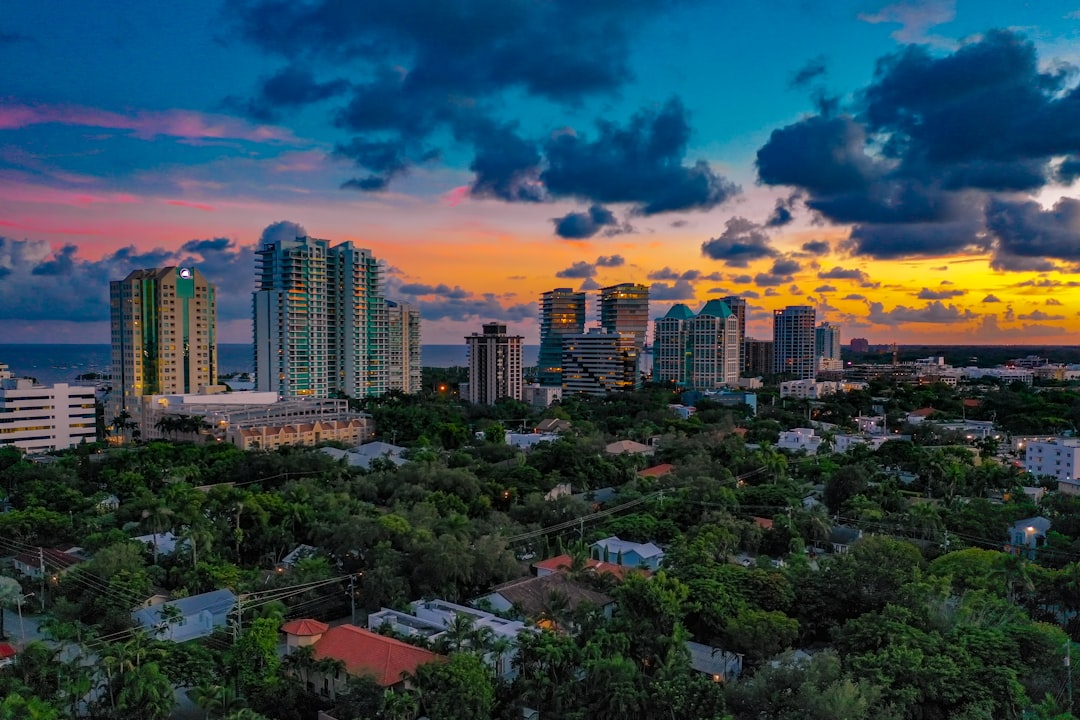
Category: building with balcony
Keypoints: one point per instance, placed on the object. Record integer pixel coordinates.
(41, 418)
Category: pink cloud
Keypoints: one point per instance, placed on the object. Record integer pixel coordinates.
(197, 206)
(455, 196)
(145, 124)
(36, 194)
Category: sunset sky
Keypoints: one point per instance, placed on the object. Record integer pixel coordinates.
(908, 168)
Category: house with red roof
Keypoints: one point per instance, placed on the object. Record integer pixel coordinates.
(7, 654)
(563, 563)
(362, 653)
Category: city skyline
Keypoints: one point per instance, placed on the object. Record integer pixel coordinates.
(905, 168)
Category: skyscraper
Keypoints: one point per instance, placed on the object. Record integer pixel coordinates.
(739, 309)
(403, 369)
(624, 308)
(599, 362)
(562, 313)
(494, 365)
(320, 321)
(827, 346)
(793, 342)
(163, 335)
(699, 352)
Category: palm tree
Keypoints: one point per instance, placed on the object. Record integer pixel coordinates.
(217, 701)
(400, 705)
(157, 519)
(147, 693)
(459, 632)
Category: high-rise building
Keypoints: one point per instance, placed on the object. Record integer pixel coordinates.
(827, 347)
(697, 352)
(599, 362)
(403, 369)
(163, 336)
(860, 345)
(562, 313)
(793, 342)
(624, 308)
(739, 309)
(494, 365)
(758, 358)
(320, 320)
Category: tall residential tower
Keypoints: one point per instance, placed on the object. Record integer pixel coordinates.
(624, 308)
(320, 320)
(494, 365)
(793, 342)
(562, 313)
(403, 369)
(163, 336)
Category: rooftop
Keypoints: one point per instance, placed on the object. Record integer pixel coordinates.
(382, 658)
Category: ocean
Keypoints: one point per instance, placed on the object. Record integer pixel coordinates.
(51, 364)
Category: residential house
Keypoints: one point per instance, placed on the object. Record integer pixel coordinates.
(362, 456)
(187, 618)
(842, 537)
(297, 554)
(626, 553)
(563, 563)
(387, 661)
(54, 562)
(628, 447)
(7, 654)
(918, 417)
(552, 425)
(164, 543)
(527, 441)
(532, 598)
(800, 439)
(656, 471)
(719, 664)
(1027, 535)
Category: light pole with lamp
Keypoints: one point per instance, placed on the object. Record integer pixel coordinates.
(22, 627)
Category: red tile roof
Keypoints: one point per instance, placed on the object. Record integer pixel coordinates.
(656, 470)
(304, 628)
(562, 563)
(6, 651)
(366, 653)
(763, 523)
(923, 412)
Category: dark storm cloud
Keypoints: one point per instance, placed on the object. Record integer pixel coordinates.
(641, 163)
(578, 225)
(384, 158)
(1024, 231)
(782, 212)
(814, 69)
(289, 88)
(429, 66)
(816, 247)
(741, 243)
(781, 273)
(580, 269)
(915, 161)
(946, 294)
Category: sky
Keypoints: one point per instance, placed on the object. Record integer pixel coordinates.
(908, 168)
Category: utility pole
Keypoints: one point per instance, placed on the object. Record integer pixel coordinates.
(41, 569)
(1068, 671)
(352, 598)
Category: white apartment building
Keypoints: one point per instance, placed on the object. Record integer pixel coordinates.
(794, 341)
(698, 352)
(1058, 458)
(403, 361)
(41, 418)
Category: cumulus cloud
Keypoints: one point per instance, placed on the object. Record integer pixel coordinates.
(991, 299)
(679, 290)
(781, 273)
(1039, 315)
(610, 261)
(816, 247)
(579, 225)
(824, 289)
(933, 312)
(741, 243)
(580, 269)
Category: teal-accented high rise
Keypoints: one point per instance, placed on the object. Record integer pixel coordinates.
(697, 352)
(562, 313)
(164, 338)
(320, 320)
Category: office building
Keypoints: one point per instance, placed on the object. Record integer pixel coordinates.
(740, 309)
(624, 308)
(697, 352)
(40, 418)
(494, 365)
(403, 359)
(599, 362)
(320, 320)
(793, 342)
(562, 313)
(827, 347)
(163, 336)
(1058, 458)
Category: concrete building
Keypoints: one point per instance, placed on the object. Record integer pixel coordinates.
(859, 345)
(599, 362)
(404, 369)
(740, 309)
(41, 418)
(827, 347)
(794, 342)
(757, 358)
(800, 439)
(163, 325)
(562, 313)
(624, 308)
(320, 320)
(1058, 458)
(494, 365)
(697, 352)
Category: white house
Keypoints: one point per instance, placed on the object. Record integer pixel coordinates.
(800, 439)
(192, 617)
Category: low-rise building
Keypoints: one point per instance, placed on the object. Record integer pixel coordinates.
(188, 618)
(800, 439)
(1027, 536)
(626, 553)
(40, 418)
(1058, 458)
